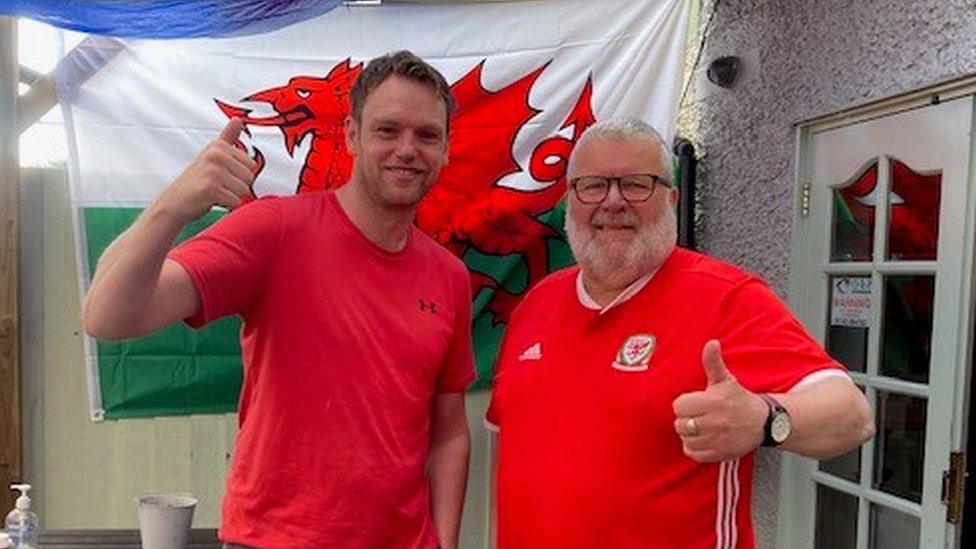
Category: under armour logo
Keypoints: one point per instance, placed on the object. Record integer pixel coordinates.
(428, 307)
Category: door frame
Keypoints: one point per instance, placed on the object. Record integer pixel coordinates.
(797, 498)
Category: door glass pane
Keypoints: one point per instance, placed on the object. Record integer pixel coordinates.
(899, 445)
(913, 219)
(907, 331)
(892, 529)
(850, 315)
(847, 466)
(836, 520)
(853, 223)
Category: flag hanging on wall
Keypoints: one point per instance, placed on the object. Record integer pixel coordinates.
(529, 77)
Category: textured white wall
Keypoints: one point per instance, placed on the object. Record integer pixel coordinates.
(803, 59)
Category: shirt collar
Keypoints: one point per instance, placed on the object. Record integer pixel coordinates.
(629, 292)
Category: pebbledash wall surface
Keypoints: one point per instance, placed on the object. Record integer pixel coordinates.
(802, 59)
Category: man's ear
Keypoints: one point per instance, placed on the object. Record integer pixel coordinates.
(351, 130)
(674, 196)
(447, 145)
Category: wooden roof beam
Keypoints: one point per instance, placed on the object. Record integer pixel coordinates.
(77, 66)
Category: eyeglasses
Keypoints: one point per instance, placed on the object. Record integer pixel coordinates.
(635, 187)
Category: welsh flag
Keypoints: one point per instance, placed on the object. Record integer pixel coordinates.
(529, 77)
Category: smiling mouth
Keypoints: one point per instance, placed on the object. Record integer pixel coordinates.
(401, 171)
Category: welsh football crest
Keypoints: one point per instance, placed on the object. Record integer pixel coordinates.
(635, 354)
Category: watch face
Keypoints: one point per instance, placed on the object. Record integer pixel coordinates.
(780, 428)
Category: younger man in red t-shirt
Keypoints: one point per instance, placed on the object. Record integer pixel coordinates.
(356, 336)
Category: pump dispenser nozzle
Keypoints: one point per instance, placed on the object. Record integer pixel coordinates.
(23, 502)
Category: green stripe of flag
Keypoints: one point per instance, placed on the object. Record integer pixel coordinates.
(175, 371)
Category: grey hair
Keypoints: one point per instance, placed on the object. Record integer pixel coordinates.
(628, 128)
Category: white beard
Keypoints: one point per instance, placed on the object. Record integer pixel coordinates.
(618, 262)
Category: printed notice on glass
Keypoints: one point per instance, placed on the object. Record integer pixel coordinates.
(850, 301)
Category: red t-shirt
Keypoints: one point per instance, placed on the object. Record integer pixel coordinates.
(588, 455)
(344, 346)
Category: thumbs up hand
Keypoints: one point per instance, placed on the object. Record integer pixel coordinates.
(221, 174)
(725, 420)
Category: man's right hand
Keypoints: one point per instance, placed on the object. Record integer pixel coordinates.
(724, 421)
(136, 290)
(221, 175)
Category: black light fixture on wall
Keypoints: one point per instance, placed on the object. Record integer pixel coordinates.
(723, 71)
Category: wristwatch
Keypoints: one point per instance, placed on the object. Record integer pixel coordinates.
(778, 423)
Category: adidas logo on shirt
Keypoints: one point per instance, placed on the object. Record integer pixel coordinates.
(534, 352)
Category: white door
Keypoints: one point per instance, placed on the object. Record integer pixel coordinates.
(882, 256)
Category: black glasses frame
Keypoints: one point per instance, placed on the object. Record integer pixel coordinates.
(655, 181)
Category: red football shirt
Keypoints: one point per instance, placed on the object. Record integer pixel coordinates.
(344, 346)
(588, 456)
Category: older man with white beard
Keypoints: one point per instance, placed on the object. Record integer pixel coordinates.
(632, 390)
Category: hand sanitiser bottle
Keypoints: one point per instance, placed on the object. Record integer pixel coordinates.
(21, 524)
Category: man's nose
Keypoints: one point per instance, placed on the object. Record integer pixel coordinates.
(614, 201)
(406, 146)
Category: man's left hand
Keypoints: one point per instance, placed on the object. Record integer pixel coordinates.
(723, 422)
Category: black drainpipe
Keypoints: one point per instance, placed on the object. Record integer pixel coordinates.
(687, 182)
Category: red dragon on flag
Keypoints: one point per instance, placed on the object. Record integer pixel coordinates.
(913, 214)
(466, 208)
